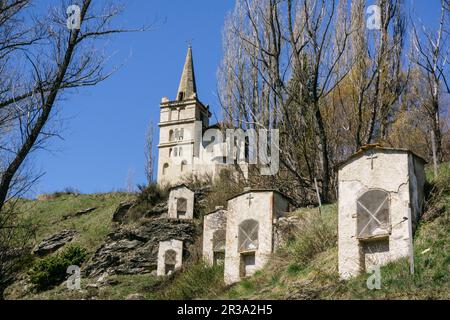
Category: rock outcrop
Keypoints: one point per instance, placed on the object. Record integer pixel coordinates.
(134, 249)
(121, 211)
(78, 213)
(130, 211)
(135, 296)
(54, 242)
(284, 229)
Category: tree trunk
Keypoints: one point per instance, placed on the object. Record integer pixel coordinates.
(325, 159)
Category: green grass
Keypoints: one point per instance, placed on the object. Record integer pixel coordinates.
(48, 216)
(52, 270)
(120, 288)
(318, 232)
(197, 281)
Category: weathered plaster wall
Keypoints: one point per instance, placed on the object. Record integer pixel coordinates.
(391, 172)
(417, 174)
(212, 222)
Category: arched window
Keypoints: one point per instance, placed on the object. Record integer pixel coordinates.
(170, 259)
(181, 207)
(373, 214)
(170, 152)
(181, 134)
(248, 235)
(218, 247)
(180, 151)
(171, 137)
(183, 165)
(165, 168)
(175, 152)
(180, 96)
(219, 240)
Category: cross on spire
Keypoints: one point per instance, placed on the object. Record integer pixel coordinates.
(189, 42)
(187, 88)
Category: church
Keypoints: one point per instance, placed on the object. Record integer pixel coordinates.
(182, 150)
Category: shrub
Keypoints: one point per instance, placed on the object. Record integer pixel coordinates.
(52, 270)
(316, 234)
(224, 187)
(197, 280)
(151, 194)
(437, 190)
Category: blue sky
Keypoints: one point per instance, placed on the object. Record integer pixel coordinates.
(106, 124)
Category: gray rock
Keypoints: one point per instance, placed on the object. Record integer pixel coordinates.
(121, 211)
(134, 249)
(79, 213)
(92, 286)
(54, 242)
(135, 296)
(112, 282)
(159, 209)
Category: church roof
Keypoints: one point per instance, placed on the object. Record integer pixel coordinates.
(217, 209)
(187, 88)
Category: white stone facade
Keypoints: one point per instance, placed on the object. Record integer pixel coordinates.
(170, 257)
(380, 200)
(181, 203)
(182, 125)
(178, 145)
(214, 236)
(250, 231)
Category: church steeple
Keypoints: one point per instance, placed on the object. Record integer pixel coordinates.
(187, 88)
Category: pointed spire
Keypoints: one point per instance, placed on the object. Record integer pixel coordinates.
(187, 88)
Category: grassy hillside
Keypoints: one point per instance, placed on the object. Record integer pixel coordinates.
(53, 213)
(49, 216)
(305, 268)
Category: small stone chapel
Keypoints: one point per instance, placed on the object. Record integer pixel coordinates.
(170, 257)
(381, 195)
(214, 236)
(250, 231)
(181, 203)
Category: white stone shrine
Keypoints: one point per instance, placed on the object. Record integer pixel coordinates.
(181, 203)
(214, 236)
(380, 200)
(170, 257)
(250, 231)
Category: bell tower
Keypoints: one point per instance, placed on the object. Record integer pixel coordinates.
(178, 123)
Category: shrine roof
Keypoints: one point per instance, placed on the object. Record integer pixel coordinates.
(378, 147)
(260, 190)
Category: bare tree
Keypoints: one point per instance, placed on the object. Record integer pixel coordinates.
(148, 152)
(432, 55)
(129, 180)
(273, 51)
(40, 59)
